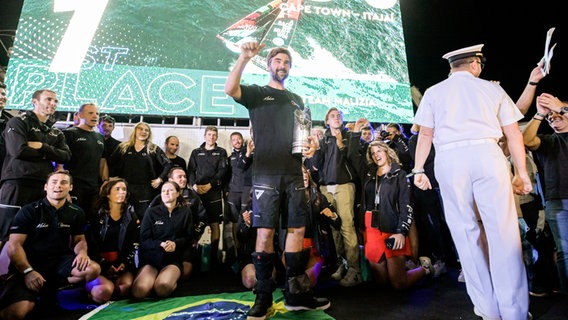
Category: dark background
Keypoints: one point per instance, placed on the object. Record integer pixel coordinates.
(513, 32)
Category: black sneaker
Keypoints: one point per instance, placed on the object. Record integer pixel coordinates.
(262, 303)
(306, 302)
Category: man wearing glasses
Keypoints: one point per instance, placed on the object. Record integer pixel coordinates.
(552, 152)
(464, 116)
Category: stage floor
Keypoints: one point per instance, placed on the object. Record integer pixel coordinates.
(431, 299)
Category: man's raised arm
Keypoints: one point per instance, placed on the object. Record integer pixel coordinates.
(233, 84)
(527, 96)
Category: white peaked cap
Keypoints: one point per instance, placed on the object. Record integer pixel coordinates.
(473, 51)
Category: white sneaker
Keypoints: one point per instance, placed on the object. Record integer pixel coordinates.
(482, 316)
(439, 268)
(461, 277)
(338, 274)
(352, 278)
(426, 263)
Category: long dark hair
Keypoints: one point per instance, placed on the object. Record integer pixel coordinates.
(104, 192)
(311, 186)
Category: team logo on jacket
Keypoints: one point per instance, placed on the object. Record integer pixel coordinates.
(258, 193)
(42, 225)
(268, 98)
(158, 223)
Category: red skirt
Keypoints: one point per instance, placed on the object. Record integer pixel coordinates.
(315, 256)
(375, 243)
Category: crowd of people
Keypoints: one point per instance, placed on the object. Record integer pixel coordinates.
(123, 218)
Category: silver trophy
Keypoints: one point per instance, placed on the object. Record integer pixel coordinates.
(302, 129)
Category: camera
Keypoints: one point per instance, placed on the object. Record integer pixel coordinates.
(384, 134)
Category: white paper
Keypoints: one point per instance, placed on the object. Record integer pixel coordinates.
(548, 53)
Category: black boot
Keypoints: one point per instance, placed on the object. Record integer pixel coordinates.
(263, 265)
(297, 292)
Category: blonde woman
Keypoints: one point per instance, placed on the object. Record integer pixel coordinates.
(387, 207)
(143, 164)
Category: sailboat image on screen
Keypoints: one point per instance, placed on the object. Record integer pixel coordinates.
(273, 24)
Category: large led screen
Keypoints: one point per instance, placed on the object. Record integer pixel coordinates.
(171, 57)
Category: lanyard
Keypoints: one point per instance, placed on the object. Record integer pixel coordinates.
(377, 191)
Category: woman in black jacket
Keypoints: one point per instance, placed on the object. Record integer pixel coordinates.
(165, 233)
(113, 237)
(143, 164)
(387, 207)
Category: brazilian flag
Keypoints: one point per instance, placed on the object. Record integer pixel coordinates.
(222, 306)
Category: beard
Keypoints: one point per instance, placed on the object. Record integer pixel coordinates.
(275, 75)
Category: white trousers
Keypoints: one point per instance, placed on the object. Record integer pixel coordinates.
(496, 280)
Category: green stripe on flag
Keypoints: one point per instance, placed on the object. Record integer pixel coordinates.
(197, 307)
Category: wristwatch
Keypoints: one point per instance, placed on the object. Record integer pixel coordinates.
(563, 110)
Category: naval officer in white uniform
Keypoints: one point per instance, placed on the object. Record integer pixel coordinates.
(464, 116)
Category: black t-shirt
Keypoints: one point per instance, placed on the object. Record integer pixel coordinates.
(179, 162)
(271, 114)
(110, 242)
(49, 231)
(87, 149)
(110, 145)
(553, 155)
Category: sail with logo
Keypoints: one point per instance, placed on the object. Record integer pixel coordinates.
(273, 24)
